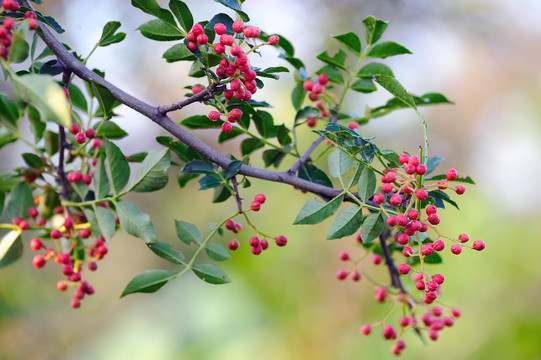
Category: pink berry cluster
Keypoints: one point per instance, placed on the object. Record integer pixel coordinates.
(9, 25)
(404, 199)
(316, 89)
(234, 66)
(71, 261)
(258, 244)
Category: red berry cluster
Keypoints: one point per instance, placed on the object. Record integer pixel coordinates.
(9, 25)
(316, 89)
(404, 198)
(72, 261)
(234, 67)
(257, 243)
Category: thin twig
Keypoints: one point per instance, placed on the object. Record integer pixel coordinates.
(202, 96)
(305, 157)
(237, 195)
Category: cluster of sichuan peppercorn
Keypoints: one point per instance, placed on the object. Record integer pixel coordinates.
(258, 243)
(234, 67)
(405, 200)
(9, 25)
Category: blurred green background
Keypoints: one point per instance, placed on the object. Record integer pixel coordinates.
(286, 304)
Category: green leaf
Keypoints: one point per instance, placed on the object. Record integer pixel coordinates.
(11, 248)
(273, 157)
(282, 133)
(435, 258)
(307, 112)
(297, 63)
(108, 35)
(217, 252)
(184, 179)
(347, 222)
(178, 52)
(208, 182)
(386, 49)
(110, 130)
(32, 160)
(152, 173)
(45, 94)
(105, 98)
(198, 167)
(432, 163)
(351, 40)
(51, 142)
(363, 85)
(297, 95)
(18, 51)
(200, 122)
(164, 250)
(234, 5)
(7, 135)
(374, 68)
(313, 174)
(2, 200)
(182, 13)
(49, 21)
(117, 167)
(465, 180)
(148, 282)
(431, 99)
(160, 30)
(314, 212)
(372, 227)
(395, 88)
(38, 126)
(339, 163)
(210, 273)
(367, 184)
(264, 123)
(337, 60)
(8, 110)
(151, 7)
(250, 145)
(188, 232)
(21, 199)
(101, 184)
(333, 73)
(221, 194)
(135, 222)
(373, 29)
(77, 98)
(232, 169)
(105, 221)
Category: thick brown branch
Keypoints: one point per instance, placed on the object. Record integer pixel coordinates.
(393, 271)
(154, 114)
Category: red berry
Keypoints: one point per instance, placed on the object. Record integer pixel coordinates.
(92, 266)
(41, 222)
(427, 250)
(260, 198)
(238, 26)
(196, 89)
(366, 329)
(97, 144)
(317, 89)
(438, 245)
(341, 274)
(478, 245)
(257, 250)
(404, 269)
(75, 277)
(75, 303)
(233, 244)
(395, 200)
(434, 219)
(264, 244)
(9, 23)
(463, 238)
(230, 225)
(433, 335)
(403, 239)
(255, 206)
(308, 85)
(407, 251)
(219, 48)
(420, 285)
(353, 125)
(410, 169)
(220, 28)
(451, 174)
(420, 169)
(24, 225)
(197, 29)
(431, 209)
(389, 332)
(29, 15)
(355, 276)
(273, 40)
(249, 32)
(214, 115)
(413, 214)
(438, 278)
(376, 259)
(62, 285)
(403, 158)
(323, 79)
(392, 221)
(432, 285)
(344, 256)
(449, 321)
(421, 194)
(381, 294)
(39, 261)
(235, 114)
(386, 188)
(227, 40)
(456, 313)
(84, 233)
(402, 219)
(202, 39)
(254, 241)
(281, 240)
(456, 249)
(404, 321)
(36, 244)
(226, 127)
(193, 46)
(379, 198)
(56, 234)
(87, 179)
(80, 137)
(460, 189)
(90, 133)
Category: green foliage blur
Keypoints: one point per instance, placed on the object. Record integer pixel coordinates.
(286, 303)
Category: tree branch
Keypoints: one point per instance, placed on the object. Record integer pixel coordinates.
(202, 96)
(153, 113)
(393, 271)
